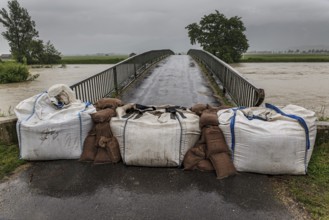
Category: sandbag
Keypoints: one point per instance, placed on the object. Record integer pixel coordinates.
(198, 108)
(208, 118)
(215, 141)
(102, 130)
(223, 165)
(205, 166)
(155, 136)
(89, 149)
(112, 103)
(191, 160)
(49, 132)
(269, 140)
(104, 115)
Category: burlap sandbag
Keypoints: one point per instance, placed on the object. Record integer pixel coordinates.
(199, 150)
(198, 108)
(205, 166)
(215, 141)
(207, 118)
(89, 149)
(191, 160)
(113, 150)
(104, 115)
(102, 157)
(102, 129)
(223, 165)
(108, 103)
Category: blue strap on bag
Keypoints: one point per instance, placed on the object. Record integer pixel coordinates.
(299, 119)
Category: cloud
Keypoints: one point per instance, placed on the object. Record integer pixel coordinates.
(125, 26)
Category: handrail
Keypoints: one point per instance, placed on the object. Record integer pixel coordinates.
(114, 79)
(241, 91)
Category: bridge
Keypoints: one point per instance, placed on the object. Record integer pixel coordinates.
(175, 81)
(64, 188)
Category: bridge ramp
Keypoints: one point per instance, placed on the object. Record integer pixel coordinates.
(176, 80)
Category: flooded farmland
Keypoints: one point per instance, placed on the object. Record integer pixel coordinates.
(304, 84)
(12, 93)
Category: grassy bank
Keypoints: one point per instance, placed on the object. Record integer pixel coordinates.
(285, 58)
(93, 59)
(311, 191)
(9, 159)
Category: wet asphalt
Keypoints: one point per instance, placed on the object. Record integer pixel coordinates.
(69, 189)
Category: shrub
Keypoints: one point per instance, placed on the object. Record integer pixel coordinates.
(13, 72)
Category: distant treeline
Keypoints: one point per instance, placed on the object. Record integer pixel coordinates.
(285, 58)
(93, 59)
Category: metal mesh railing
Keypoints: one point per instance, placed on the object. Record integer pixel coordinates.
(114, 79)
(241, 91)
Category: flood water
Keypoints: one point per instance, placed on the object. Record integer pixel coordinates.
(12, 93)
(304, 84)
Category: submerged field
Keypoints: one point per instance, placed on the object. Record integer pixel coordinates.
(93, 59)
(285, 58)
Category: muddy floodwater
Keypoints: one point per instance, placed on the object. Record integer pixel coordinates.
(304, 84)
(12, 93)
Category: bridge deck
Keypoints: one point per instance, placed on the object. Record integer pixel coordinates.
(176, 80)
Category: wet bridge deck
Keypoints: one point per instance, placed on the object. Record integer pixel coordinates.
(176, 80)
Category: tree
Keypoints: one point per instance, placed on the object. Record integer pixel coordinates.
(20, 29)
(50, 54)
(221, 36)
(35, 51)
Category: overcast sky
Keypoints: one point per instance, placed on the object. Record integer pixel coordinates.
(124, 26)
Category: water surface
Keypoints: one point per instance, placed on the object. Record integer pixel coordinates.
(12, 93)
(304, 84)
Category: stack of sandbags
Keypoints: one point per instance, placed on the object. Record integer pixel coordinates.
(101, 146)
(211, 151)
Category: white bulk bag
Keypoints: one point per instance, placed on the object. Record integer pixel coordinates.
(269, 140)
(157, 138)
(46, 132)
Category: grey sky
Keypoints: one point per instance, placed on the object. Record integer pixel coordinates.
(124, 26)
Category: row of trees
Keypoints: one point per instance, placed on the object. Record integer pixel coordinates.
(23, 39)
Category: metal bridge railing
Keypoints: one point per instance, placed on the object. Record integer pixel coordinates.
(114, 79)
(241, 91)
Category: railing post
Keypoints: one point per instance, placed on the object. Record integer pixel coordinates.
(115, 80)
(135, 71)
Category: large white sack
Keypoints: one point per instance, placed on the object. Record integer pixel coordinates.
(48, 133)
(155, 140)
(264, 141)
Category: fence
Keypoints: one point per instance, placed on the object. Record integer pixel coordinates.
(242, 92)
(114, 79)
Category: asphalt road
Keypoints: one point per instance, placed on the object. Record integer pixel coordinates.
(73, 190)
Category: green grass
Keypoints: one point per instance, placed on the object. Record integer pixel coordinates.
(285, 58)
(112, 59)
(312, 190)
(9, 159)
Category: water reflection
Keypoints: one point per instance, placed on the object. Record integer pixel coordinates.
(304, 84)
(12, 93)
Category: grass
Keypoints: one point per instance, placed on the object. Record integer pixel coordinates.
(9, 159)
(312, 190)
(285, 58)
(87, 59)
